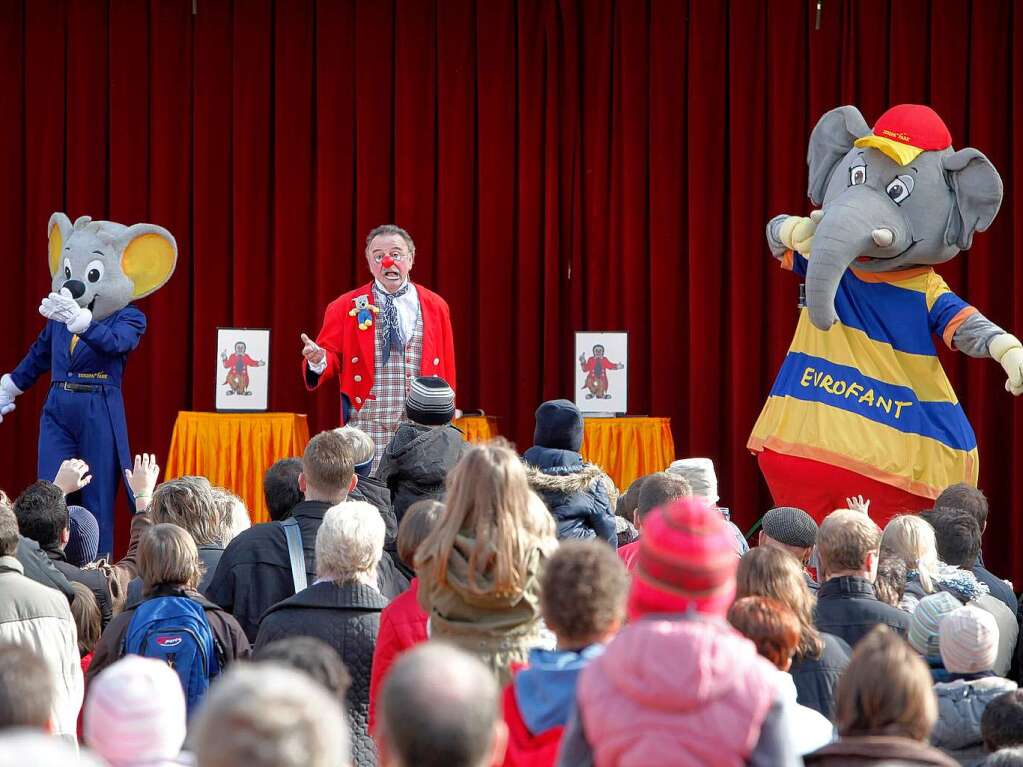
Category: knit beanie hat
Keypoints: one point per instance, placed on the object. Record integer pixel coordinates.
(559, 426)
(135, 712)
(699, 472)
(928, 615)
(686, 561)
(83, 541)
(791, 526)
(430, 401)
(968, 638)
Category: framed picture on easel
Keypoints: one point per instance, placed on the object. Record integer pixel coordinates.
(243, 373)
(601, 379)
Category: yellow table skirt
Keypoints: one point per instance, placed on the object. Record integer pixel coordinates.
(627, 448)
(234, 450)
(477, 428)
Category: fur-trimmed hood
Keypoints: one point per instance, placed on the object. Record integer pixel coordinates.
(579, 495)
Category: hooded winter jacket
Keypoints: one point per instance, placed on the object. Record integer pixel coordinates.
(681, 691)
(417, 463)
(498, 628)
(539, 702)
(961, 703)
(402, 626)
(579, 495)
(40, 618)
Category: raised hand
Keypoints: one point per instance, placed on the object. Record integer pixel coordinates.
(314, 355)
(142, 478)
(72, 476)
(858, 503)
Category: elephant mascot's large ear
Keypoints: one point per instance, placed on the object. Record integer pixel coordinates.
(978, 191)
(148, 256)
(58, 230)
(831, 140)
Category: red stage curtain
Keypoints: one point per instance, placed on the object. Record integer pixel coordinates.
(562, 164)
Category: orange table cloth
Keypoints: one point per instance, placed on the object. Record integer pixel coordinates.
(477, 428)
(627, 448)
(234, 450)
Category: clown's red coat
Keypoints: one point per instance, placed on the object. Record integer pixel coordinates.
(351, 353)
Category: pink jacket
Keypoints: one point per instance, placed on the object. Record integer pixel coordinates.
(684, 691)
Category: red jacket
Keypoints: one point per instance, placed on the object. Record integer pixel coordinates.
(402, 625)
(350, 351)
(524, 748)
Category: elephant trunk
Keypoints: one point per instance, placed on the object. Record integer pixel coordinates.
(844, 234)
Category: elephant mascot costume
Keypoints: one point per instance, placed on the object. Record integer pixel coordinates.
(98, 268)
(861, 404)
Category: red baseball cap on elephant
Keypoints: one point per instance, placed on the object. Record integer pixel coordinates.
(906, 130)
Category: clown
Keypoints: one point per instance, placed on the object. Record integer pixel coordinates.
(862, 404)
(376, 361)
(98, 269)
(596, 368)
(238, 365)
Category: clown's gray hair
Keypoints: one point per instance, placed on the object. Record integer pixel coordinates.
(385, 229)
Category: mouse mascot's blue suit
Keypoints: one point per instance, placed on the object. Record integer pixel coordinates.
(98, 268)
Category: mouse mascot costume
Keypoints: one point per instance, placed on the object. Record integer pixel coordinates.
(98, 268)
(862, 404)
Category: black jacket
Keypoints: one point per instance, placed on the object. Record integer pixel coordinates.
(577, 494)
(39, 568)
(255, 571)
(95, 580)
(817, 678)
(347, 618)
(209, 555)
(375, 493)
(417, 462)
(848, 608)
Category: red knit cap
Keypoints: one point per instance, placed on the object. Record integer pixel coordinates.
(686, 561)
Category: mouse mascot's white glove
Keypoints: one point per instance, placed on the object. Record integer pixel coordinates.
(1008, 352)
(796, 232)
(61, 307)
(8, 391)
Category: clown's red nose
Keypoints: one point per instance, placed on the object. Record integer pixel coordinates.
(387, 262)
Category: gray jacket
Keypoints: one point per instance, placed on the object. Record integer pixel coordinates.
(40, 618)
(961, 703)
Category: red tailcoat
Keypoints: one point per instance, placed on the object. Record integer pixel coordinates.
(351, 352)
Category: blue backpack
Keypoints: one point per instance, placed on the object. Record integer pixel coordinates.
(176, 631)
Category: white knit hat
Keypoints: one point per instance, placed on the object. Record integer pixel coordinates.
(135, 713)
(968, 640)
(700, 474)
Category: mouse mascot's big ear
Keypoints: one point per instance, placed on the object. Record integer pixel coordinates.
(862, 405)
(98, 268)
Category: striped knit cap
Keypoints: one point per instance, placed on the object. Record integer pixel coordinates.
(927, 617)
(686, 561)
(969, 640)
(430, 401)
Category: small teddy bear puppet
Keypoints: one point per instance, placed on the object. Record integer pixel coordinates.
(363, 311)
(98, 268)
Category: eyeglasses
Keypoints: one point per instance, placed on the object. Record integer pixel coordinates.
(396, 255)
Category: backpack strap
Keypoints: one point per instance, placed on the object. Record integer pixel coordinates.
(294, 535)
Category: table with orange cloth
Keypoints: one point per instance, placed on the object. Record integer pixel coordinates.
(477, 428)
(627, 448)
(234, 450)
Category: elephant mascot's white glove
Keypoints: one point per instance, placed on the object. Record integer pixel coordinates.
(796, 232)
(8, 391)
(61, 307)
(1008, 352)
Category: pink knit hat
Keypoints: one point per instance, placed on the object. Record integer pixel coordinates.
(968, 640)
(135, 713)
(686, 561)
